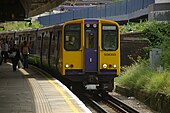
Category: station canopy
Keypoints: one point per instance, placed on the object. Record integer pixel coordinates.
(16, 10)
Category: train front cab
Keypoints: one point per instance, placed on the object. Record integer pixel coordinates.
(95, 61)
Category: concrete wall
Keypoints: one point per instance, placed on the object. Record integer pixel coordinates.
(160, 11)
(162, 1)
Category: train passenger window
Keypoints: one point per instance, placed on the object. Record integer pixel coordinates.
(53, 48)
(45, 46)
(38, 43)
(32, 43)
(72, 37)
(109, 37)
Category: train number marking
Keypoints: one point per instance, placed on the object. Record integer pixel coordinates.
(109, 54)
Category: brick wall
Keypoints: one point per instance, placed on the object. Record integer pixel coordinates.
(132, 44)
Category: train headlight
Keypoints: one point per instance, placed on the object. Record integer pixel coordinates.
(114, 66)
(87, 25)
(67, 66)
(104, 66)
(94, 25)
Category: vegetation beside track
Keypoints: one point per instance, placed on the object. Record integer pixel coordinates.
(140, 75)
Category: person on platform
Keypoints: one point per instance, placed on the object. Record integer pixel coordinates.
(14, 55)
(4, 52)
(0, 53)
(25, 52)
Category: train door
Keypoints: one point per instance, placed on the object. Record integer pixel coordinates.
(91, 48)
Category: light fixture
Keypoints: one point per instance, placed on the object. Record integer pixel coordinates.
(104, 66)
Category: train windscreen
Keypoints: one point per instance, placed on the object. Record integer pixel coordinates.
(109, 37)
(72, 37)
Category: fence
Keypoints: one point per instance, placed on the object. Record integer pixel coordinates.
(124, 7)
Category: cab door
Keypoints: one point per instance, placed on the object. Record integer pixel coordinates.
(91, 48)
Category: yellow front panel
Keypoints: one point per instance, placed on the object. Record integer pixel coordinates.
(74, 58)
(109, 57)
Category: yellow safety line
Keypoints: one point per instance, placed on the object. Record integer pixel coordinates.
(65, 97)
(75, 110)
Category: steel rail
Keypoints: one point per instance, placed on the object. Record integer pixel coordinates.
(124, 108)
(93, 103)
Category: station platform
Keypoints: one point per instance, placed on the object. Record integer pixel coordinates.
(26, 91)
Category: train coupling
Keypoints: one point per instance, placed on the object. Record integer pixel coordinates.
(91, 82)
(91, 86)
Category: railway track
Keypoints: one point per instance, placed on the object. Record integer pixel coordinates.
(107, 104)
(120, 106)
(102, 103)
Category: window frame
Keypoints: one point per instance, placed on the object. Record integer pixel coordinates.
(78, 32)
(116, 40)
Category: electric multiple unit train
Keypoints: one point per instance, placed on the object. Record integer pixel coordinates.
(85, 51)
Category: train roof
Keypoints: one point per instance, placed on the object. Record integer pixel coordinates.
(50, 27)
(9, 31)
(30, 30)
(90, 19)
(58, 26)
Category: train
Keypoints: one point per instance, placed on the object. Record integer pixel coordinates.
(84, 51)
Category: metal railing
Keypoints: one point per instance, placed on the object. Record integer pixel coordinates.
(124, 7)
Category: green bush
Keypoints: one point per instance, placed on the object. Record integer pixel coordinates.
(135, 27)
(20, 25)
(165, 56)
(141, 76)
(155, 83)
(167, 85)
(136, 75)
(156, 32)
(160, 82)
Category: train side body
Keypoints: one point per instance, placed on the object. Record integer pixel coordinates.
(84, 50)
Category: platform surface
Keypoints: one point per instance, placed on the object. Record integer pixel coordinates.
(26, 91)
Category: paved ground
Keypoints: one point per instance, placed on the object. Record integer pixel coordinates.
(15, 95)
(31, 91)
